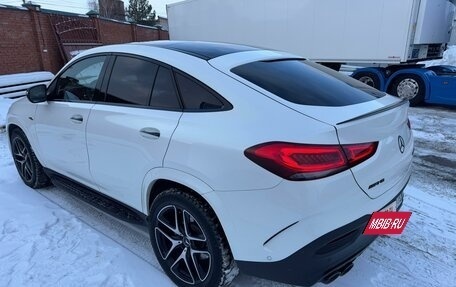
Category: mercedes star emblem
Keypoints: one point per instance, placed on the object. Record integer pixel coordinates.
(401, 143)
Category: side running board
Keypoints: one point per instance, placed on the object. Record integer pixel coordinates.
(97, 199)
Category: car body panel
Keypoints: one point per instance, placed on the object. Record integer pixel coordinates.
(174, 175)
(386, 168)
(120, 154)
(232, 132)
(443, 70)
(384, 128)
(21, 114)
(62, 140)
(306, 210)
(443, 90)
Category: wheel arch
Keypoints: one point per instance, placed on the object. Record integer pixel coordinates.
(421, 73)
(13, 124)
(12, 127)
(9, 129)
(160, 185)
(379, 72)
(161, 179)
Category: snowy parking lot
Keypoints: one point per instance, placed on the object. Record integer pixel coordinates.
(50, 238)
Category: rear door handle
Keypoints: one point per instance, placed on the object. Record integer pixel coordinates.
(77, 119)
(150, 133)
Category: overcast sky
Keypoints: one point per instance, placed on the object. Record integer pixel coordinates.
(80, 6)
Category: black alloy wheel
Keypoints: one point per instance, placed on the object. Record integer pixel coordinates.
(188, 241)
(27, 164)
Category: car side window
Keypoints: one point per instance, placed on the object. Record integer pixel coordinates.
(79, 81)
(164, 93)
(196, 97)
(131, 81)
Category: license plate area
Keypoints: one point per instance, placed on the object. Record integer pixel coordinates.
(395, 204)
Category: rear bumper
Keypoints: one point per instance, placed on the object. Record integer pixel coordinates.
(322, 260)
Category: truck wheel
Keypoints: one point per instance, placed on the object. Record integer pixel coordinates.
(409, 87)
(188, 241)
(27, 164)
(369, 79)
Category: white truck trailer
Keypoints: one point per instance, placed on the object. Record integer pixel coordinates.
(390, 34)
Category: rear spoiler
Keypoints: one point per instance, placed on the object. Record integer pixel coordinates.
(379, 111)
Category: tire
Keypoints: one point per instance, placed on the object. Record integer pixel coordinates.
(28, 166)
(409, 87)
(369, 79)
(196, 231)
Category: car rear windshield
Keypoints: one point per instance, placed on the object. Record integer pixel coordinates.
(307, 83)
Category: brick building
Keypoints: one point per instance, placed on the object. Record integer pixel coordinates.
(29, 42)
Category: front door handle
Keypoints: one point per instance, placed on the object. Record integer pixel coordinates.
(150, 133)
(77, 119)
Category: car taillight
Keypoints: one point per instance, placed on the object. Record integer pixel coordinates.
(357, 153)
(306, 162)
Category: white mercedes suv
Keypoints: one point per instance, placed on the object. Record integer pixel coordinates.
(236, 158)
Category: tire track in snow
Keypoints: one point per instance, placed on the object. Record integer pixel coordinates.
(53, 252)
(42, 244)
(126, 235)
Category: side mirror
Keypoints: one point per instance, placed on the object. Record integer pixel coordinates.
(37, 94)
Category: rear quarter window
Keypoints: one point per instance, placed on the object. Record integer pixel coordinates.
(197, 97)
(306, 83)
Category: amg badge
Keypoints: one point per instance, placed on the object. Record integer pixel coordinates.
(377, 183)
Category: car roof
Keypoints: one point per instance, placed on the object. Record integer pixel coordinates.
(187, 55)
(202, 50)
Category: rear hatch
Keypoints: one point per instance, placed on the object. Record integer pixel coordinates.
(359, 113)
(367, 122)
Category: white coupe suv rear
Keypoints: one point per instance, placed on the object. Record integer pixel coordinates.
(234, 157)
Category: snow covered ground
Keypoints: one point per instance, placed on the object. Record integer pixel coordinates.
(15, 85)
(449, 58)
(50, 238)
(23, 78)
(4, 106)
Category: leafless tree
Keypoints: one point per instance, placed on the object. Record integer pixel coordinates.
(93, 5)
(113, 9)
